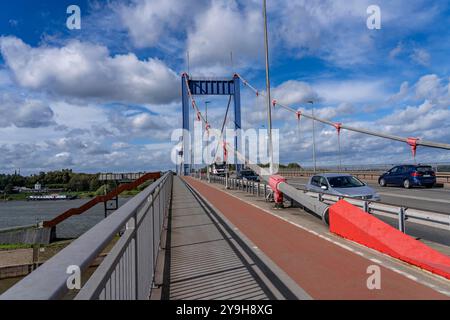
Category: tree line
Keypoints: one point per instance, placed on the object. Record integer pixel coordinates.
(63, 179)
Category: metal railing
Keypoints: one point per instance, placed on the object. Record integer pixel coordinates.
(127, 272)
(430, 218)
(369, 175)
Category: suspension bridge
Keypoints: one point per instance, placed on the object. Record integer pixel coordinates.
(198, 236)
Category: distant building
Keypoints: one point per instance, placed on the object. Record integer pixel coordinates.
(37, 186)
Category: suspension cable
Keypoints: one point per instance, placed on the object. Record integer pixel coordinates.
(412, 142)
(223, 127)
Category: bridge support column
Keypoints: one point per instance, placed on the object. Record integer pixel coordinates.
(237, 120)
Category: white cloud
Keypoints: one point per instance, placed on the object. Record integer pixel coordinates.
(24, 112)
(141, 124)
(85, 70)
(336, 30)
(150, 21)
(403, 92)
(396, 51)
(351, 91)
(294, 92)
(225, 27)
(421, 56)
(430, 87)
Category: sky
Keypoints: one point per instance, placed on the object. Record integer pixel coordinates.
(107, 97)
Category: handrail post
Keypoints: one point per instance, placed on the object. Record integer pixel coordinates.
(136, 259)
(366, 207)
(401, 220)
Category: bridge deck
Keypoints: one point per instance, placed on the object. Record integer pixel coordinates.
(204, 261)
(322, 268)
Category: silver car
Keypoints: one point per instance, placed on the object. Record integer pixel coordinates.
(344, 185)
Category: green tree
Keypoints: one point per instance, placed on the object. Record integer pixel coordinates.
(294, 166)
(9, 188)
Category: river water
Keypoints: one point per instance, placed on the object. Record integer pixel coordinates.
(19, 213)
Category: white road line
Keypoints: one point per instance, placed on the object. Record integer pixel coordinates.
(413, 197)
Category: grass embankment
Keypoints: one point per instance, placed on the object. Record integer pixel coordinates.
(14, 246)
(56, 246)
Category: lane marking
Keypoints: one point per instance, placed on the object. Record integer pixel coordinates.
(345, 247)
(413, 197)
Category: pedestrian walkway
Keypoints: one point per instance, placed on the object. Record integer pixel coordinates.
(204, 260)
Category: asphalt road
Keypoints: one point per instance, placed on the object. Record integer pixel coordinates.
(436, 199)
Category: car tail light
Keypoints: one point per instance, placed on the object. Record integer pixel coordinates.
(433, 174)
(415, 174)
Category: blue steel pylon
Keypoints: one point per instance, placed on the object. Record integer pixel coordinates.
(210, 88)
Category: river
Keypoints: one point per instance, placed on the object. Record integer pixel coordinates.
(19, 213)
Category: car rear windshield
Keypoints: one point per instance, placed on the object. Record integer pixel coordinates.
(345, 182)
(424, 169)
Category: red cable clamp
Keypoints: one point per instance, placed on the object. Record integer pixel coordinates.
(413, 143)
(198, 116)
(338, 127)
(274, 103)
(274, 181)
(257, 93)
(193, 103)
(207, 127)
(299, 115)
(225, 153)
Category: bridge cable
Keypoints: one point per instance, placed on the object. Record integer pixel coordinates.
(223, 128)
(412, 142)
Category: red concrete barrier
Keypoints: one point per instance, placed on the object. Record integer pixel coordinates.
(274, 181)
(352, 223)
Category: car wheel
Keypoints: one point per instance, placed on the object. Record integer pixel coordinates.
(326, 218)
(407, 184)
(382, 182)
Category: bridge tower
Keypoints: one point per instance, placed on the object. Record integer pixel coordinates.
(204, 87)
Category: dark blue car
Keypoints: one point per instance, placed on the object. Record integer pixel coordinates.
(409, 176)
(248, 174)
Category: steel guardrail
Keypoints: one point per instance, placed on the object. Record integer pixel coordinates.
(371, 175)
(128, 270)
(429, 218)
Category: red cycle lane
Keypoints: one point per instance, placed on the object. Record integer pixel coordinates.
(323, 269)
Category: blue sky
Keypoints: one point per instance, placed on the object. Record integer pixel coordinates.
(107, 97)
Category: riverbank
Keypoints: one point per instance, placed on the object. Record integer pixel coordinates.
(76, 195)
(17, 263)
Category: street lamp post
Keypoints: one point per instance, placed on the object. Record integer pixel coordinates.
(314, 136)
(207, 142)
(269, 101)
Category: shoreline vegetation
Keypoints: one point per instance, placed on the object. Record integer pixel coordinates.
(15, 187)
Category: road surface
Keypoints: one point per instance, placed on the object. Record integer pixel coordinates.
(436, 199)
